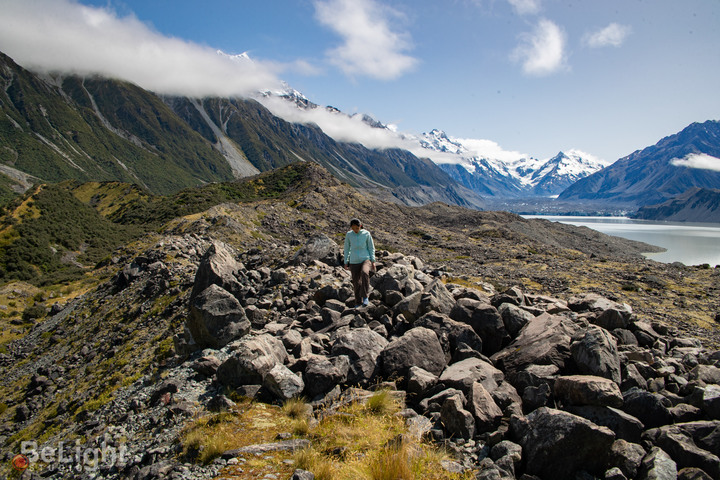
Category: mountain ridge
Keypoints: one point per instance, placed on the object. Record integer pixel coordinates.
(100, 129)
(652, 175)
(516, 176)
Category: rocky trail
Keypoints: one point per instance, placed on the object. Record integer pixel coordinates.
(517, 385)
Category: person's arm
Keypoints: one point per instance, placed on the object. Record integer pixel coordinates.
(371, 248)
(346, 252)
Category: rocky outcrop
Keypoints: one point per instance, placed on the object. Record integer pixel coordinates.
(516, 385)
(582, 385)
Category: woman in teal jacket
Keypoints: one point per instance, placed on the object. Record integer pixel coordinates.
(359, 255)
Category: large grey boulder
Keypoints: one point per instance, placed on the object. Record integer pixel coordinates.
(619, 313)
(588, 390)
(652, 409)
(483, 408)
(682, 442)
(398, 278)
(624, 425)
(363, 347)
(545, 340)
(218, 266)
(657, 465)
(711, 401)
(485, 320)
(627, 457)
(321, 248)
(216, 318)
(283, 383)
(463, 374)
(514, 318)
(595, 353)
(436, 298)
(420, 381)
(458, 421)
(251, 358)
(323, 373)
(409, 307)
(559, 445)
(418, 347)
(452, 334)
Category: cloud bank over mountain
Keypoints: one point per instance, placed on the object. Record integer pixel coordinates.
(64, 36)
(701, 161)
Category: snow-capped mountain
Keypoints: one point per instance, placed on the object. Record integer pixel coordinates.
(480, 165)
(487, 169)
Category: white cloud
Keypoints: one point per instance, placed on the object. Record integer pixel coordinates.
(698, 160)
(62, 35)
(541, 52)
(613, 35)
(370, 47)
(489, 149)
(525, 7)
(344, 128)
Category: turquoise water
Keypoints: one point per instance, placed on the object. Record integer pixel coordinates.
(689, 243)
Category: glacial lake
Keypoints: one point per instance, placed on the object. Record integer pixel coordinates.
(689, 243)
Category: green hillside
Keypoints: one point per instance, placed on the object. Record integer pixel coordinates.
(93, 129)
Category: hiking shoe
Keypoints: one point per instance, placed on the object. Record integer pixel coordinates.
(366, 302)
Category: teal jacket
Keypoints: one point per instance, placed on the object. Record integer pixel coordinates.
(358, 247)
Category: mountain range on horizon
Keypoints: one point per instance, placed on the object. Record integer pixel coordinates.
(59, 127)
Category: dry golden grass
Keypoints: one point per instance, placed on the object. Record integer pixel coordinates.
(364, 439)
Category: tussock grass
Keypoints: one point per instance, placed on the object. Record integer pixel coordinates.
(364, 439)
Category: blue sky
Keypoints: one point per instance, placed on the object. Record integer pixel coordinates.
(534, 76)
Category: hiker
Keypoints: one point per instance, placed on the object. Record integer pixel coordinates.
(359, 255)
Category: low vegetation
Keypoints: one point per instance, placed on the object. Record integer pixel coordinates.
(364, 439)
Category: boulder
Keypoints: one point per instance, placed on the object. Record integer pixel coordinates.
(251, 359)
(321, 248)
(457, 421)
(363, 347)
(420, 381)
(218, 266)
(627, 457)
(409, 307)
(451, 334)
(711, 401)
(692, 474)
(545, 340)
(680, 441)
(483, 408)
(592, 302)
(322, 374)
(625, 426)
(463, 374)
(559, 445)
(485, 320)
(418, 347)
(397, 277)
(436, 298)
(588, 390)
(595, 353)
(514, 318)
(652, 409)
(216, 318)
(657, 465)
(283, 383)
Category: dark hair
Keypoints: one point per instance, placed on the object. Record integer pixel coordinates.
(355, 221)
